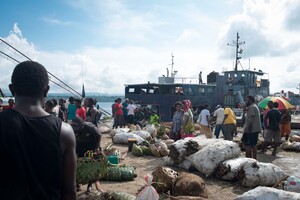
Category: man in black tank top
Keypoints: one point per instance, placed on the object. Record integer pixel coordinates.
(37, 150)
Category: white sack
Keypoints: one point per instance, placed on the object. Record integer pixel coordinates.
(209, 157)
(260, 174)
(122, 138)
(291, 146)
(228, 170)
(143, 134)
(104, 128)
(186, 164)
(180, 147)
(267, 193)
(150, 128)
(113, 132)
(168, 161)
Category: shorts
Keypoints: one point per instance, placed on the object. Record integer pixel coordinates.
(229, 129)
(206, 130)
(250, 139)
(285, 129)
(272, 135)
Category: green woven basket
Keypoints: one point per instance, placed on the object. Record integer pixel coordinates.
(90, 170)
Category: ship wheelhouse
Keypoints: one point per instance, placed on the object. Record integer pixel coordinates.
(162, 97)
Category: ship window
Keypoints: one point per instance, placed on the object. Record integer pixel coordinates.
(201, 90)
(151, 91)
(235, 75)
(131, 90)
(178, 90)
(143, 91)
(243, 75)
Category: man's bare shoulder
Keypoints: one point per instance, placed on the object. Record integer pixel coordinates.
(67, 137)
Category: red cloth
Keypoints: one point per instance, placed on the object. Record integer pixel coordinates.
(187, 104)
(118, 109)
(187, 135)
(80, 112)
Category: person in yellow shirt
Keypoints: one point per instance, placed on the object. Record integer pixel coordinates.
(229, 124)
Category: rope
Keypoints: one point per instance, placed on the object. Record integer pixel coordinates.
(63, 87)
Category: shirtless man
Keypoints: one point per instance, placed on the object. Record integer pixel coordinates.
(37, 150)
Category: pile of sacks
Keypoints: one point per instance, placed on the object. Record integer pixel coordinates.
(221, 157)
(201, 153)
(150, 140)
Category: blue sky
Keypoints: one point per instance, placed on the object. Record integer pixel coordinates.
(118, 42)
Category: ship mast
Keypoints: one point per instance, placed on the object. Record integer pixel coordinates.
(237, 50)
(172, 65)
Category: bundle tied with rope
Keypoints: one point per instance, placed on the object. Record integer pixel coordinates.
(91, 168)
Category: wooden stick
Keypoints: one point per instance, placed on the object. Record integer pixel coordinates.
(278, 182)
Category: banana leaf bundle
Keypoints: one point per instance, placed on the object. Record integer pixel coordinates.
(120, 173)
(90, 170)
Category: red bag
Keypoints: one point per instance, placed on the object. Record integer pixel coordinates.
(187, 135)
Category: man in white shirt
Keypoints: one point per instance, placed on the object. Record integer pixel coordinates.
(131, 110)
(219, 117)
(204, 122)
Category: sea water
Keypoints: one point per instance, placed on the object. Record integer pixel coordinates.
(106, 106)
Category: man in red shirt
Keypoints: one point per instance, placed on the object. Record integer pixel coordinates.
(119, 120)
(80, 111)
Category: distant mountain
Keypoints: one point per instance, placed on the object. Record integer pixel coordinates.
(102, 97)
(86, 94)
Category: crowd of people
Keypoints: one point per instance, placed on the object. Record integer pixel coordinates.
(127, 113)
(271, 122)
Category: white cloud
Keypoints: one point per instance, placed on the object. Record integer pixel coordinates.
(55, 21)
(140, 45)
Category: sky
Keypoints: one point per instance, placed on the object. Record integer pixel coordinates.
(106, 44)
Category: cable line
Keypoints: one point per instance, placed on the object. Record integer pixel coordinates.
(74, 91)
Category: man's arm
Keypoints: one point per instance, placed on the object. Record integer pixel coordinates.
(266, 120)
(67, 143)
(207, 119)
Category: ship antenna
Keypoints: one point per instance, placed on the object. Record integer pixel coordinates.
(237, 50)
(172, 65)
(83, 90)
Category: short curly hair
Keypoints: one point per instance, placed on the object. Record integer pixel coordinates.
(29, 78)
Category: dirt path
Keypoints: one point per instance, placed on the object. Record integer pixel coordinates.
(217, 189)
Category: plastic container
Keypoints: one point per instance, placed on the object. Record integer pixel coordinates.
(113, 159)
(131, 141)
